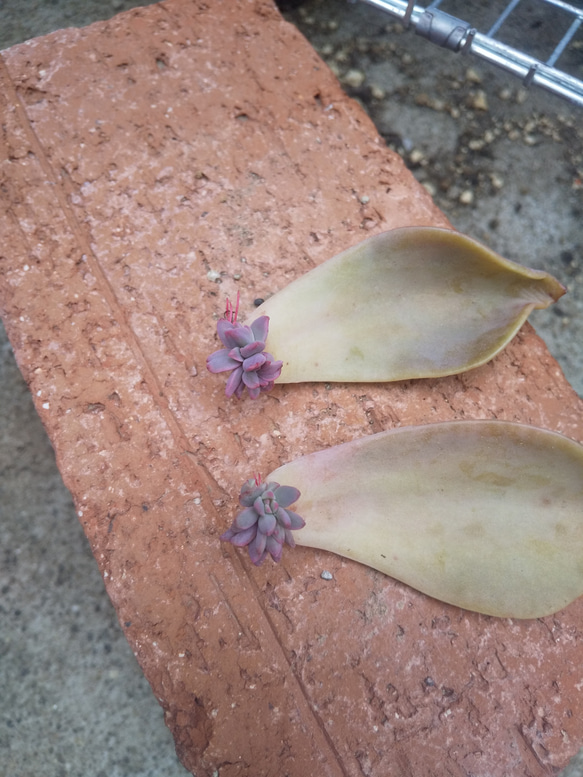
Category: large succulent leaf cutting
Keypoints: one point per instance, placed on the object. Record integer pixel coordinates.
(486, 515)
(410, 303)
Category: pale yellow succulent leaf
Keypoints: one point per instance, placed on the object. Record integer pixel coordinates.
(486, 515)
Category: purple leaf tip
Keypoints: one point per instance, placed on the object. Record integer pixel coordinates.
(244, 355)
(265, 524)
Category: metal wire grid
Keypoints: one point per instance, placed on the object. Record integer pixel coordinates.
(457, 35)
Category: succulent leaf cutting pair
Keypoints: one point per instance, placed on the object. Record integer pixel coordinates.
(486, 515)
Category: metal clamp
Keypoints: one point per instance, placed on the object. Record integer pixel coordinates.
(441, 28)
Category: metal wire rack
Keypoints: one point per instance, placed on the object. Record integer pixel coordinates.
(457, 35)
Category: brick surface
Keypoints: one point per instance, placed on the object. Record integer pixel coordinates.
(143, 159)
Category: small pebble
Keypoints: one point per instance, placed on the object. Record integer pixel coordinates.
(521, 96)
(473, 76)
(213, 275)
(479, 101)
(326, 575)
(354, 78)
(467, 197)
(377, 92)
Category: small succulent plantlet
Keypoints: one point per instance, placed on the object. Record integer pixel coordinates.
(244, 356)
(416, 302)
(485, 515)
(266, 523)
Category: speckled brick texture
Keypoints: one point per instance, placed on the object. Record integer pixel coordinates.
(151, 166)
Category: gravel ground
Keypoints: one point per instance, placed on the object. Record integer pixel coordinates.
(504, 164)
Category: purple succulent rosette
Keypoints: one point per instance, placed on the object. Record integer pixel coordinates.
(266, 523)
(244, 355)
